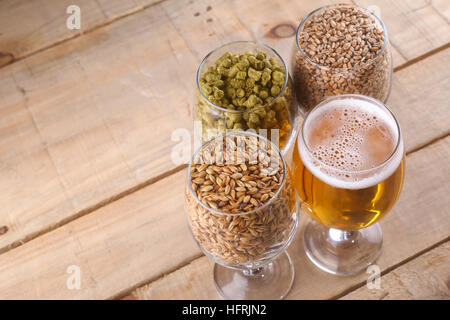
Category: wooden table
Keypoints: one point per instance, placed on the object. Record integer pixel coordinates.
(86, 117)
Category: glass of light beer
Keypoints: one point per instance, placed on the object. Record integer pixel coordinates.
(349, 166)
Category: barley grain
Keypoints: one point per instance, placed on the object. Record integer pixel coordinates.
(350, 54)
(248, 229)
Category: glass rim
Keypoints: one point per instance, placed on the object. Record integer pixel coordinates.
(360, 97)
(214, 106)
(236, 133)
(312, 13)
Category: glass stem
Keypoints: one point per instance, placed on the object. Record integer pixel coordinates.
(252, 272)
(337, 235)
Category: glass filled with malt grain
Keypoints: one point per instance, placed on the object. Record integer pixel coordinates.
(242, 209)
(340, 49)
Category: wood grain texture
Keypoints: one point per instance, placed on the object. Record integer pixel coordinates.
(419, 219)
(29, 26)
(272, 22)
(144, 236)
(442, 7)
(123, 244)
(417, 99)
(91, 118)
(70, 142)
(93, 114)
(192, 281)
(426, 277)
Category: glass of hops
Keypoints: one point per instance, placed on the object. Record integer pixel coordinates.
(242, 209)
(246, 85)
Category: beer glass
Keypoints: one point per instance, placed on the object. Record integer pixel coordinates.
(349, 169)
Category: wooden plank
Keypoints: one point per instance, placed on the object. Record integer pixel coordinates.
(75, 132)
(426, 277)
(181, 284)
(415, 99)
(94, 113)
(115, 247)
(272, 22)
(89, 119)
(406, 230)
(29, 26)
(144, 235)
(43, 23)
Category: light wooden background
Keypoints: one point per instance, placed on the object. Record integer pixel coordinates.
(86, 118)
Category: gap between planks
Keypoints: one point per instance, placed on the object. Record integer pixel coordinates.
(165, 174)
(120, 295)
(421, 57)
(144, 7)
(391, 268)
(127, 292)
(94, 27)
(95, 207)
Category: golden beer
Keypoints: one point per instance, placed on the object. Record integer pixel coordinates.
(349, 163)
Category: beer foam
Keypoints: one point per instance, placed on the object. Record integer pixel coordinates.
(349, 141)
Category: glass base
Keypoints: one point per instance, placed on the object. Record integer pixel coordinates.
(271, 281)
(342, 252)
